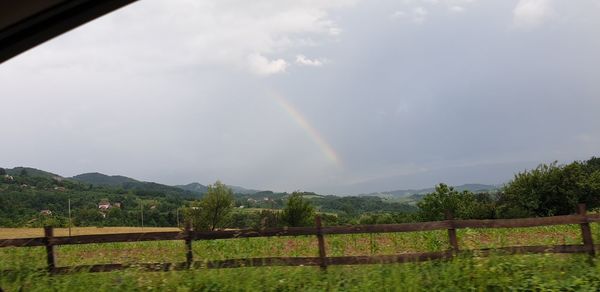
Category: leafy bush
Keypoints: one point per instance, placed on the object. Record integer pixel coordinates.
(445, 199)
(298, 211)
(552, 189)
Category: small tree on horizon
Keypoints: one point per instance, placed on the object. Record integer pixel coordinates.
(298, 211)
(445, 198)
(216, 204)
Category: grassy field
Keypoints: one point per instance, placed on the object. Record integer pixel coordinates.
(495, 273)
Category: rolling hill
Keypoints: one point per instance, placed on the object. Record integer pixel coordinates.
(34, 172)
(99, 179)
(118, 181)
(194, 187)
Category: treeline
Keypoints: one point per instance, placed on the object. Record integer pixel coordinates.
(216, 210)
(35, 201)
(35, 208)
(548, 190)
(30, 200)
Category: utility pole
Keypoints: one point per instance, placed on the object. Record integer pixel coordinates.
(142, 208)
(70, 217)
(177, 216)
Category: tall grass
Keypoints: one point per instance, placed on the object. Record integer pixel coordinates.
(496, 273)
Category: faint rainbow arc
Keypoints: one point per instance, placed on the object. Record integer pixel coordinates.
(309, 129)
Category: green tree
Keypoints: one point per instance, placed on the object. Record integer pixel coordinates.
(298, 211)
(195, 216)
(434, 205)
(2, 171)
(268, 218)
(549, 189)
(217, 204)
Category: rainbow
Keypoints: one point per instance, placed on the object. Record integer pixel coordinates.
(313, 133)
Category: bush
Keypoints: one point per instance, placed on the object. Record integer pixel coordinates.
(434, 205)
(298, 211)
(547, 190)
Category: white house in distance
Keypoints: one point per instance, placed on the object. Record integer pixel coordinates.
(104, 205)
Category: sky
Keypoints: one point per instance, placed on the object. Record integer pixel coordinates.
(338, 97)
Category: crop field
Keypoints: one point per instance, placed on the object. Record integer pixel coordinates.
(37, 232)
(490, 273)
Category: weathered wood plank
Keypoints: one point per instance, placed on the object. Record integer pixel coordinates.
(22, 242)
(297, 231)
(586, 232)
(259, 262)
(118, 237)
(452, 239)
(316, 261)
(321, 242)
(48, 234)
(521, 222)
(389, 259)
(149, 267)
(386, 228)
(593, 217)
(244, 233)
(189, 255)
(530, 249)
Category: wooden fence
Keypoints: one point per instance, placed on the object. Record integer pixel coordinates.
(50, 241)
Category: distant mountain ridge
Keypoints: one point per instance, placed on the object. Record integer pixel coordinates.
(100, 179)
(242, 190)
(198, 189)
(127, 183)
(416, 192)
(194, 187)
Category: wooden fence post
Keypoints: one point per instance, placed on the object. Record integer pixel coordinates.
(48, 234)
(189, 257)
(321, 240)
(586, 233)
(452, 232)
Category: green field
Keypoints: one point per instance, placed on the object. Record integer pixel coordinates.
(546, 272)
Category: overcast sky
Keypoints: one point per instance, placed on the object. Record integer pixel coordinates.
(341, 96)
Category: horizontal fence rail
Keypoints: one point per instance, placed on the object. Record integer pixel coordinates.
(188, 235)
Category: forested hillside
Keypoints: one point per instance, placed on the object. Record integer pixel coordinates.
(31, 197)
(35, 198)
